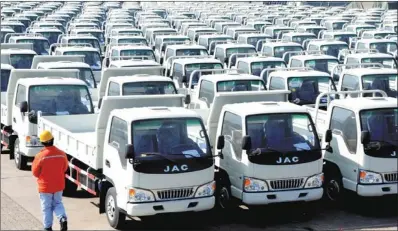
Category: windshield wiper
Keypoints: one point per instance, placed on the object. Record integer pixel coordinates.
(383, 142)
(155, 154)
(259, 151)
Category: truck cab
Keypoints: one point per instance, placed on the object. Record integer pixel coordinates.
(385, 46)
(223, 52)
(318, 62)
(124, 31)
(252, 38)
(315, 29)
(18, 58)
(258, 25)
(194, 33)
(81, 38)
(356, 28)
(127, 39)
(209, 41)
(343, 36)
(277, 49)
(372, 34)
(92, 55)
(305, 84)
(359, 79)
(358, 58)
(364, 146)
(5, 77)
(40, 44)
(221, 26)
(162, 41)
(327, 47)
(274, 30)
(174, 51)
(335, 24)
(51, 34)
(255, 65)
(298, 37)
(94, 32)
(235, 31)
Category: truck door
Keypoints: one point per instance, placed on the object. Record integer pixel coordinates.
(20, 122)
(232, 132)
(343, 125)
(115, 163)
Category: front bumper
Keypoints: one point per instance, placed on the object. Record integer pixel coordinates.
(264, 198)
(177, 206)
(376, 190)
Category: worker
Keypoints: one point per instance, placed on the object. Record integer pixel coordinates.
(49, 167)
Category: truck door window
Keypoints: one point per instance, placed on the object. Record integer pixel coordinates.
(343, 123)
(276, 84)
(115, 53)
(114, 89)
(232, 131)
(350, 83)
(219, 54)
(206, 92)
(169, 53)
(243, 67)
(295, 63)
(21, 95)
(177, 70)
(118, 136)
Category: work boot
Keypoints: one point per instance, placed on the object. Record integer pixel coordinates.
(48, 229)
(64, 224)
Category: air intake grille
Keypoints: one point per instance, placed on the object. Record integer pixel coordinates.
(391, 177)
(287, 184)
(170, 194)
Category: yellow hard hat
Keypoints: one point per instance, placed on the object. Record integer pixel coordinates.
(45, 136)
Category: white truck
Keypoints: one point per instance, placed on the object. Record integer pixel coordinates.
(140, 161)
(271, 152)
(30, 92)
(363, 152)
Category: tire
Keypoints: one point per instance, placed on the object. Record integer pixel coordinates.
(224, 197)
(21, 161)
(333, 187)
(70, 188)
(116, 219)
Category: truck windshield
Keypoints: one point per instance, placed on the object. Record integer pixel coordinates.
(149, 88)
(258, 67)
(92, 58)
(178, 137)
(344, 37)
(99, 35)
(301, 38)
(324, 65)
(240, 85)
(132, 40)
(333, 49)
(213, 45)
(279, 51)
(384, 47)
(60, 99)
(191, 51)
(5, 77)
(382, 125)
(386, 62)
(85, 74)
(40, 46)
(93, 42)
(384, 82)
(137, 52)
(21, 61)
(52, 36)
(240, 50)
(253, 40)
(276, 136)
(338, 25)
(189, 68)
(305, 90)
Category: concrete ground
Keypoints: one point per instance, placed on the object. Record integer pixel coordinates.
(20, 210)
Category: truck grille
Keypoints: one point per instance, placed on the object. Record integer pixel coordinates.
(170, 194)
(391, 177)
(287, 184)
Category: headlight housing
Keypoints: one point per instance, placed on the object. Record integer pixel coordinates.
(314, 181)
(254, 185)
(366, 177)
(140, 195)
(206, 190)
(33, 141)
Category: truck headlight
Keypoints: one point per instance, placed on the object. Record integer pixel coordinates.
(254, 185)
(206, 190)
(140, 195)
(366, 177)
(32, 141)
(314, 181)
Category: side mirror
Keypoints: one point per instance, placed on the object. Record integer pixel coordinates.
(99, 103)
(187, 99)
(328, 136)
(365, 137)
(23, 106)
(129, 151)
(246, 143)
(220, 142)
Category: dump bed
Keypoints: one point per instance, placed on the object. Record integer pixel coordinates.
(83, 136)
(15, 75)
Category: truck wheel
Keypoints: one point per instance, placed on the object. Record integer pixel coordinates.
(115, 218)
(20, 160)
(223, 196)
(333, 187)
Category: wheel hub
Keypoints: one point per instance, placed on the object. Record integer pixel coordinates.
(111, 208)
(223, 197)
(333, 190)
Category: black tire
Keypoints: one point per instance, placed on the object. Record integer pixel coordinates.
(333, 188)
(21, 161)
(224, 198)
(70, 188)
(116, 219)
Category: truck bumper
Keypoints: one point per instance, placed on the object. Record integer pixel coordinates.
(377, 190)
(190, 205)
(265, 198)
(30, 151)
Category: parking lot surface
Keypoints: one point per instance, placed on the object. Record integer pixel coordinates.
(20, 210)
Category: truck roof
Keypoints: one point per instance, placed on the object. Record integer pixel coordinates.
(53, 81)
(6, 66)
(129, 47)
(232, 45)
(227, 77)
(373, 40)
(66, 49)
(370, 71)
(255, 108)
(134, 63)
(313, 56)
(154, 113)
(298, 73)
(196, 60)
(357, 104)
(63, 64)
(327, 42)
(17, 51)
(259, 59)
(281, 43)
(186, 46)
(139, 78)
(369, 55)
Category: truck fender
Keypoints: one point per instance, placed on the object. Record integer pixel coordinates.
(103, 187)
(221, 176)
(330, 167)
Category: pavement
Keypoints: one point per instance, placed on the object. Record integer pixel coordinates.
(20, 210)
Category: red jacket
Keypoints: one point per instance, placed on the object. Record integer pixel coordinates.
(49, 166)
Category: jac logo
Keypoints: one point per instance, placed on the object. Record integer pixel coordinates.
(287, 160)
(176, 168)
(394, 154)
